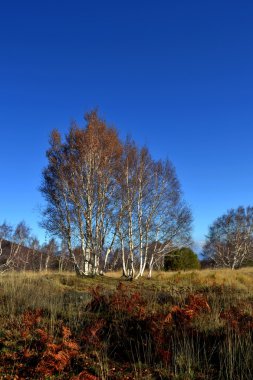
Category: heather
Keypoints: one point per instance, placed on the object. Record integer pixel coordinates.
(181, 325)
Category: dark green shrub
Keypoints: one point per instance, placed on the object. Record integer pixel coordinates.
(181, 259)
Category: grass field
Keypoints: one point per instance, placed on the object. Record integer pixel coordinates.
(180, 325)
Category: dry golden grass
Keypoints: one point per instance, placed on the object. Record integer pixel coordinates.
(63, 298)
(242, 278)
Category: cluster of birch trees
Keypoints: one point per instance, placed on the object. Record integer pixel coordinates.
(103, 195)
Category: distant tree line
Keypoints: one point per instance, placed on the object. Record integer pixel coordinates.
(229, 244)
(20, 250)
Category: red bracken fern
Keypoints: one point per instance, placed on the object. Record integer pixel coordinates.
(30, 319)
(56, 357)
(196, 304)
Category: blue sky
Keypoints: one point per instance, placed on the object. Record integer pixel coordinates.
(176, 75)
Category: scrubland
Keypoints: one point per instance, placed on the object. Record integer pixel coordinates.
(177, 325)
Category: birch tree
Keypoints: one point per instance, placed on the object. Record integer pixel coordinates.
(80, 187)
(48, 252)
(230, 239)
(156, 215)
(58, 215)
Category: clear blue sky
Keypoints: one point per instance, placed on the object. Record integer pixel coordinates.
(176, 75)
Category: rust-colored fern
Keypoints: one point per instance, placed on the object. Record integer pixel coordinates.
(57, 357)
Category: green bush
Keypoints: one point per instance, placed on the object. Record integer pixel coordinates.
(181, 259)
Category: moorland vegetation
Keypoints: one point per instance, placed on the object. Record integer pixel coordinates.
(178, 325)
